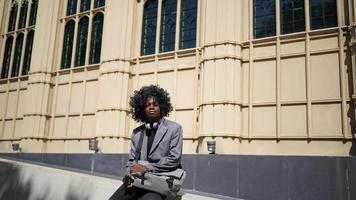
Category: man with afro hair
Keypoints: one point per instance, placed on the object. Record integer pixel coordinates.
(161, 145)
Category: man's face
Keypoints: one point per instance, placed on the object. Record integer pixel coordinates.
(152, 109)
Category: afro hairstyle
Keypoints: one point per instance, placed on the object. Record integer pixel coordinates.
(138, 99)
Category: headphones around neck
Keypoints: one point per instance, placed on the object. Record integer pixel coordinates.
(150, 126)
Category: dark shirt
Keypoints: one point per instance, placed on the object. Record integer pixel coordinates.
(150, 137)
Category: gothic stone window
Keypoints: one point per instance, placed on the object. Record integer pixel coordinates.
(16, 57)
(80, 15)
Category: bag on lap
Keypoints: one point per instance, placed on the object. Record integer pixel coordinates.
(165, 183)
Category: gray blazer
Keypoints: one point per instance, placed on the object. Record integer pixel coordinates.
(166, 151)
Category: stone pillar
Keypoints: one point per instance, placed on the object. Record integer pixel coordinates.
(113, 111)
(220, 75)
(36, 104)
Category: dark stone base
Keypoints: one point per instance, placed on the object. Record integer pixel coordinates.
(236, 176)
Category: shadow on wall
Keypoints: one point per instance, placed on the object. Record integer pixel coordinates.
(350, 83)
(13, 186)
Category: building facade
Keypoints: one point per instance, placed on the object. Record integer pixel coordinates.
(271, 77)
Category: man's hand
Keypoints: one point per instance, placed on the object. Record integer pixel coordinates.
(136, 168)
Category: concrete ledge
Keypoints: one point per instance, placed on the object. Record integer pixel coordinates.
(20, 180)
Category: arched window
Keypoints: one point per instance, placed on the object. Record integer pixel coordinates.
(168, 25)
(96, 37)
(148, 41)
(67, 45)
(33, 13)
(17, 56)
(7, 57)
(81, 42)
(188, 24)
(23, 14)
(84, 5)
(12, 18)
(71, 7)
(28, 53)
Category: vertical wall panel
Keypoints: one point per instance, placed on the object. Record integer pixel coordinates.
(73, 126)
(91, 96)
(264, 81)
(2, 104)
(22, 103)
(293, 81)
(8, 129)
(62, 99)
(326, 120)
(185, 88)
(264, 121)
(88, 126)
(11, 105)
(293, 121)
(166, 81)
(325, 78)
(186, 119)
(60, 127)
(76, 100)
(19, 128)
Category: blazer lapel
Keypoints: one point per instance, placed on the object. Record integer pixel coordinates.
(161, 131)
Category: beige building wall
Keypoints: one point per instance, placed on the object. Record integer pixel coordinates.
(284, 95)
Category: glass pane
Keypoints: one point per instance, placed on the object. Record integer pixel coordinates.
(149, 25)
(168, 25)
(99, 3)
(96, 36)
(28, 53)
(7, 58)
(71, 7)
(23, 14)
(188, 24)
(17, 56)
(12, 18)
(264, 18)
(84, 5)
(81, 42)
(323, 14)
(292, 16)
(67, 45)
(33, 13)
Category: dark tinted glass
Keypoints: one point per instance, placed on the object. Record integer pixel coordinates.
(33, 13)
(84, 5)
(323, 14)
(168, 25)
(7, 58)
(67, 45)
(188, 24)
(23, 15)
(28, 53)
(96, 37)
(81, 42)
(292, 16)
(71, 7)
(17, 56)
(148, 41)
(99, 3)
(12, 18)
(264, 18)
